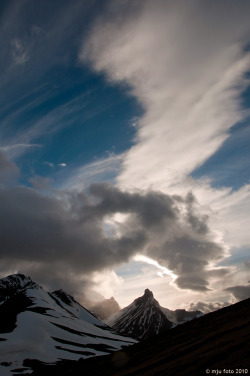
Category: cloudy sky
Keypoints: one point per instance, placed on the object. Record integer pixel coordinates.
(124, 148)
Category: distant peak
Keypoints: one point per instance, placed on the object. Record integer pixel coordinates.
(148, 293)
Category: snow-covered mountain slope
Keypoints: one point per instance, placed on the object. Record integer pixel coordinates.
(105, 308)
(38, 325)
(141, 319)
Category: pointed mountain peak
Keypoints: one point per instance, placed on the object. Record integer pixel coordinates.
(148, 293)
(141, 319)
(147, 298)
(113, 301)
(105, 308)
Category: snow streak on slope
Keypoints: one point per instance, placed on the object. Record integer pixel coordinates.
(38, 325)
(141, 319)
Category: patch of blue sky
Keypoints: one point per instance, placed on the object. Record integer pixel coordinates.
(133, 269)
(49, 100)
(238, 257)
(81, 120)
(230, 165)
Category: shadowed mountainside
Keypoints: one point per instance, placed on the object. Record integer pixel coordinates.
(218, 340)
(142, 319)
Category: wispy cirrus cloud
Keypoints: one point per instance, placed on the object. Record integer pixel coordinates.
(189, 92)
(81, 177)
(14, 150)
(33, 45)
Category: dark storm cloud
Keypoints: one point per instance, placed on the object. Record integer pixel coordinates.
(68, 232)
(240, 292)
(153, 208)
(39, 228)
(54, 239)
(167, 228)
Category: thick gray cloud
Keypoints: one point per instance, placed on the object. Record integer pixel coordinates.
(39, 228)
(240, 292)
(67, 236)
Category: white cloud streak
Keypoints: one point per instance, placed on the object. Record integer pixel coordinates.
(81, 177)
(163, 269)
(14, 150)
(184, 65)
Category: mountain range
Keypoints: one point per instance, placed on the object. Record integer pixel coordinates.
(217, 343)
(36, 324)
(44, 333)
(145, 317)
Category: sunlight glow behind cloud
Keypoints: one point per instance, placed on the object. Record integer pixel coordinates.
(150, 261)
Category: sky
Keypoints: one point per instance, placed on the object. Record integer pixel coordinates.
(124, 148)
